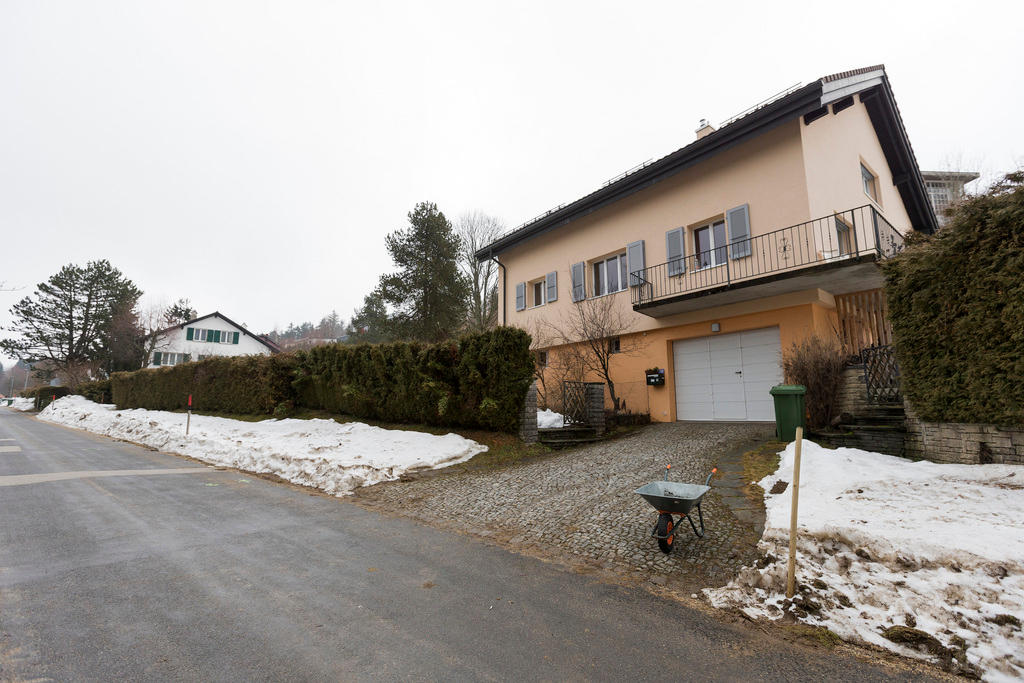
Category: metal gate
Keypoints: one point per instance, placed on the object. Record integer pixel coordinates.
(574, 399)
(881, 374)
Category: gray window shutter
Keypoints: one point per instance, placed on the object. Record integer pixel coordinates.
(156, 358)
(551, 283)
(674, 252)
(579, 290)
(635, 258)
(739, 231)
(520, 296)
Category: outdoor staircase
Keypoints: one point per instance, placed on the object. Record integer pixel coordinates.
(880, 428)
(562, 437)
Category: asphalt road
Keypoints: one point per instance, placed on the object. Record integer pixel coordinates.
(149, 574)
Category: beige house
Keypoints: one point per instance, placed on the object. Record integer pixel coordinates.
(719, 256)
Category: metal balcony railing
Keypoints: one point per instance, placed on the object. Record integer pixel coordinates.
(846, 235)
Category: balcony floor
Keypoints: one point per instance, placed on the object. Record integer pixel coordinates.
(839, 277)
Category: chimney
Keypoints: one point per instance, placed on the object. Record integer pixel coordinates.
(704, 129)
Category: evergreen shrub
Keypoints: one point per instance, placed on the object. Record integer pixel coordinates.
(97, 391)
(477, 381)
(242, 385)
(956, 301)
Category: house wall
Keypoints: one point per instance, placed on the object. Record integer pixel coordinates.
(797, 316)
(766, 173)
(175, 342)
(833, 148)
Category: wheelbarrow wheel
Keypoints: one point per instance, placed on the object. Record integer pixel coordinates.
(665, 532)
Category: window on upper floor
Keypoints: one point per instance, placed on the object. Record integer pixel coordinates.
(542, 359)
(213, 336)
(870, 181)
(537, 293)
(709, 244)
(940, 195)
(610, 275)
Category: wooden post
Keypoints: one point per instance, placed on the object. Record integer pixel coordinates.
(791, 573)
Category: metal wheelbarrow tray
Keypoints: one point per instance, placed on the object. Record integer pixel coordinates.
(675, 498)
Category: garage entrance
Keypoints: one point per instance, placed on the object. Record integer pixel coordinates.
(727, 376)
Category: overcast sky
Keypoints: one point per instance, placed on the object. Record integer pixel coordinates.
(252, 156)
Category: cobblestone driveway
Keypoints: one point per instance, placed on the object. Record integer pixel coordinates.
(578, 505)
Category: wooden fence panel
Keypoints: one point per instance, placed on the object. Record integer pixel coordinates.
(863, 320)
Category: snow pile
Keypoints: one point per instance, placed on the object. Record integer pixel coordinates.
(336, 458)
(547, 419)
(888, 542)
(22, 404)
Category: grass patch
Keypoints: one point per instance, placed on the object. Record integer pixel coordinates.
(815, 634)
(758, 464)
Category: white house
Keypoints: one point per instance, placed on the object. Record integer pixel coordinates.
(210, 335)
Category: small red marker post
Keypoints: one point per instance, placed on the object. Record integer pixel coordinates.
(188, 420)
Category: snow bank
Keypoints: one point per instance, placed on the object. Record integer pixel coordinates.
(547, 419)
(336, 458)
(885, 541)
(22, 404)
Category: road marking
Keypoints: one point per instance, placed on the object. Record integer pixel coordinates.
(7, 439)
(10, 449)
(22, 479)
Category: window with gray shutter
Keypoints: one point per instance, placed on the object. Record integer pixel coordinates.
(739, 231)
(635, 256)
(674, 252)
(552, 286)
(520, 296)
(577, 272)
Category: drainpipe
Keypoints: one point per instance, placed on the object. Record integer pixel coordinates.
(504, 289)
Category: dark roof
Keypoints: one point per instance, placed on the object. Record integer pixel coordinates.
(274, 348)
(873, 86)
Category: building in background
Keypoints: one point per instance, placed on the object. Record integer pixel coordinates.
(210, 335)
(945, 188)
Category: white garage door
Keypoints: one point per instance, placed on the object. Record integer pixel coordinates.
(728, 376)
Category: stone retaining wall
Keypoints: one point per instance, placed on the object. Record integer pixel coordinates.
(852, 397)
(528, 416)
(959, 442)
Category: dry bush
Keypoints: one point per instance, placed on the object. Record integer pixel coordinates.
(817, 364)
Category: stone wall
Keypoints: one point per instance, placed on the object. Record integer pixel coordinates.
(595, 407)
(853, 392)
(959, 442)
(528, 416)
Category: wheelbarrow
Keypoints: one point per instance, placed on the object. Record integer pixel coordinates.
(675, 498)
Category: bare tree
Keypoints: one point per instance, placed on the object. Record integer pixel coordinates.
(476, 230)
(594, 335)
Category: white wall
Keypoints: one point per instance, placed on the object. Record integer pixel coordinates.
(174, 341)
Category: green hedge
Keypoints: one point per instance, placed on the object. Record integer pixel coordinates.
(478, 381)
(98, 391)
(956, 302)
(249, 385)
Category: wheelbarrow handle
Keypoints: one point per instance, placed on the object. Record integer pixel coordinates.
(707, 482)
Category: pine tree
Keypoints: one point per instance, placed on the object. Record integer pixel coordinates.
(67, 323)
(426, 298)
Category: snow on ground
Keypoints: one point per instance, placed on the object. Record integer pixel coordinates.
(939, 547)
(547, 419)
(336, 458)
(22, 404)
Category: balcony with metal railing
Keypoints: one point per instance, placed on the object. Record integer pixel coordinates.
(837, 253)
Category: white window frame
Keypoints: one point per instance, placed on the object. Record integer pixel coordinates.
(542, 283)
(716, 249)
(865, 173)
(621, 275)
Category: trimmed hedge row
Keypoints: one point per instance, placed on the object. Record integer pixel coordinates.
(97, 391)
(478, 381)
(956, 302)
(243, 385)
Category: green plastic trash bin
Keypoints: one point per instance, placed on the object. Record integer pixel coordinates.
(789, 409)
